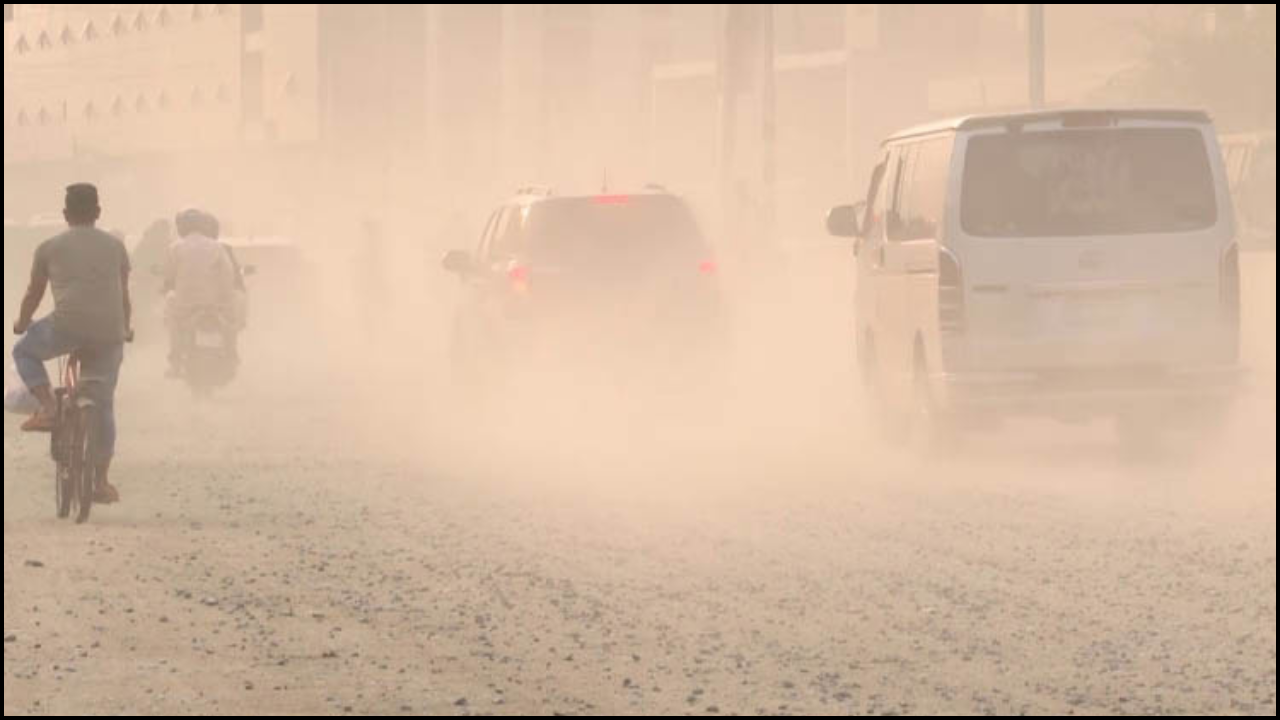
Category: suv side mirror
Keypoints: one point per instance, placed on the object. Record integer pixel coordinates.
(458, 261)
(845, 220)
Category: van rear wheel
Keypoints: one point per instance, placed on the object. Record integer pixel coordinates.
(1139, 435)
(931, 432)
(889, 424)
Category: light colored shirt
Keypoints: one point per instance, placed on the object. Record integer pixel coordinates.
(199, 272)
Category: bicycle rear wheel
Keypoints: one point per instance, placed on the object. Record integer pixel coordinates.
(59, 450)
(84, 443)
(64, 488)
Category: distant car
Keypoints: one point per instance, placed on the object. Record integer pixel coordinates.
(275, 254)
(281, 284)
(48, 219)
(1074, 263)
(589, 283)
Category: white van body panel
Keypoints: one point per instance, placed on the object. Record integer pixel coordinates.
(1123, 305)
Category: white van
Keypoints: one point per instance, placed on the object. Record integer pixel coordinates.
(1071, 263)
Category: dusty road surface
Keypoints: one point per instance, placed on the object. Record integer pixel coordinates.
(291, 546)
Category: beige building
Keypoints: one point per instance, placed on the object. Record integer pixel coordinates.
(274, 109)
(138, 95)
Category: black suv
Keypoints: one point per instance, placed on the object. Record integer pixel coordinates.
(620, 284)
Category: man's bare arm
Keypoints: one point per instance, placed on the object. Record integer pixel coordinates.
(31, 301)
(128, 303)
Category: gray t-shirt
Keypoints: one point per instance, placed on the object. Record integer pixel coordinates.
(85, 267)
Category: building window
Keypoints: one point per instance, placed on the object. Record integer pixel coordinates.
(22, 118)
(196, 13)
(251, 18)
(90, 31)
(22, 47)
(140, 21)
(251, 86)
(66, 37)
(117, 107)
(164, 19)
(118, 27)
(8, 13)
(45, 41)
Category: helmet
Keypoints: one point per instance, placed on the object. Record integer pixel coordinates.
(209, 225)
(188, 221)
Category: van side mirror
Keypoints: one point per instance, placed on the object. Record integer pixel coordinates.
(458, 261)
(845, 220)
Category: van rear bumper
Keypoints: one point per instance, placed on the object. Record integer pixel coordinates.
(1091, 391)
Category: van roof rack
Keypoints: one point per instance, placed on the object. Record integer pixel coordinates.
(1068, 116)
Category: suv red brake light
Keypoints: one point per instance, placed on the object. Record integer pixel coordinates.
(611, 199)
(518, 275)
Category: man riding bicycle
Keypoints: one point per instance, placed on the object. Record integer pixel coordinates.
(88, 270)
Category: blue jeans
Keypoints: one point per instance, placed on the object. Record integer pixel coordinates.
(99, 370)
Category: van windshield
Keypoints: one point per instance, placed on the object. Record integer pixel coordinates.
(1087, 182)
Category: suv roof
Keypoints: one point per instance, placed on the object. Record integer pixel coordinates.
(1107, 115)
(529, 194)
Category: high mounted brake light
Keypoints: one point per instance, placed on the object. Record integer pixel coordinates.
(611, 199)
(1088, 119)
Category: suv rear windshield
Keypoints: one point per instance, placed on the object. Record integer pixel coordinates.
(1087, 182)
(612, 228)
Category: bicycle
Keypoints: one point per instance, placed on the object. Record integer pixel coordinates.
(74, 441)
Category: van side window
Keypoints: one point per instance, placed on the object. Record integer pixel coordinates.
(922, 191)
(506, 239)
(873, 191)
(482, 247)
(881, 180)
(898, 200)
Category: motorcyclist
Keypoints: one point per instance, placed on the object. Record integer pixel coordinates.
(239, 309)
(199, 277)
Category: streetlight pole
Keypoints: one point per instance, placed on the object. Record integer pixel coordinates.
(1035, 54)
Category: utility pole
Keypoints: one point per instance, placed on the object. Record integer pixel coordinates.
(768, 128)
(1035, 54)
(745, 81)
(726, 118)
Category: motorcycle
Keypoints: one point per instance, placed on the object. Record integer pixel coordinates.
(210, 359)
